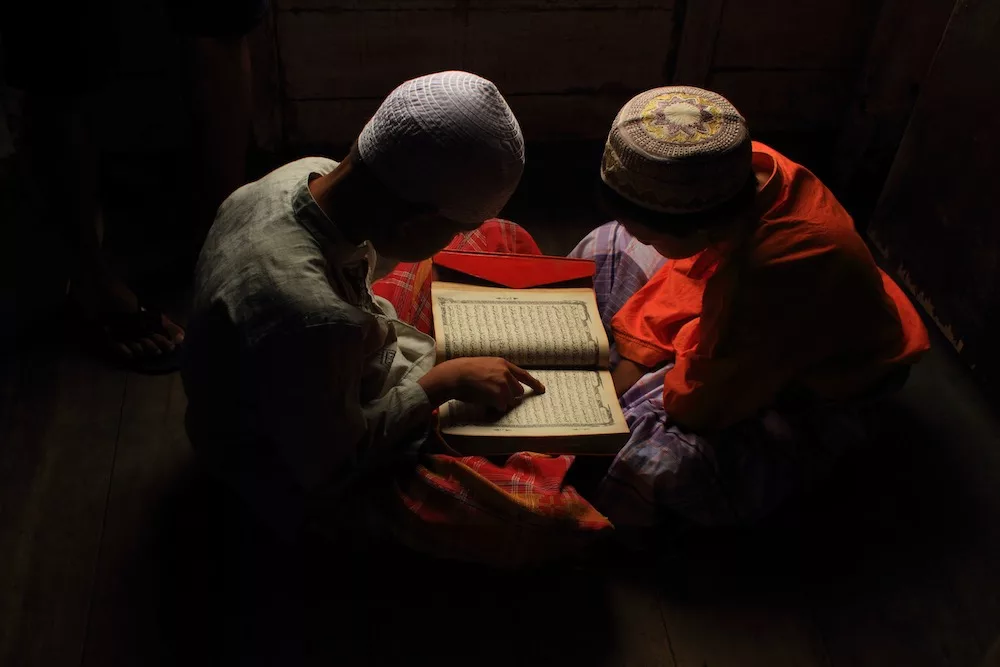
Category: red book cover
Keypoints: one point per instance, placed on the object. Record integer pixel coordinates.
(513, 271)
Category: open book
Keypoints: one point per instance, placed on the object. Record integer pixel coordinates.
(557, 335)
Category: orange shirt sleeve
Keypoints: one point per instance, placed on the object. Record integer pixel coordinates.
(662, 317)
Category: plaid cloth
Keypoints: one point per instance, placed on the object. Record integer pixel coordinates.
(470, 508)
(408, 286)
(515, 514)
(623, 266)
(733, 477)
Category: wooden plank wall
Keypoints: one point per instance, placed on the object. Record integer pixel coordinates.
(936, 220)
(141, 109)
(565, 66)
(790, 67)
(838, 76)
(904, 42)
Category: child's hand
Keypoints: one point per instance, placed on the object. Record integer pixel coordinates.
(489, 381)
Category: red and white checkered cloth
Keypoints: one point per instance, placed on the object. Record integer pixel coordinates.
(514, 514)
(408, 287)
(468, 507)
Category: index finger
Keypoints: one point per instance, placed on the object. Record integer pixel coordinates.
(525, 377)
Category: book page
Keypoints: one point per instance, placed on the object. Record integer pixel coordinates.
(574, 402)
(537, 328)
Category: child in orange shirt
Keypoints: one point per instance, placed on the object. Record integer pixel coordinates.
(747, 314)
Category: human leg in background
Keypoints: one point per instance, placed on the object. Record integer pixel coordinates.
(59, 60)
(111, 311)
(217, 64)
(408, 286)
(220, 109)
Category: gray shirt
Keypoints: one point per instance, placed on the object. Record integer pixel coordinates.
(296, 375)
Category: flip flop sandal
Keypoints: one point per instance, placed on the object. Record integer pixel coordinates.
(126, 328)
(106, 330)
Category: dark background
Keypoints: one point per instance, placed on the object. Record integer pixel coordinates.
(114, 551)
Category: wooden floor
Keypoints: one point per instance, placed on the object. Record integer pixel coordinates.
(115, 551)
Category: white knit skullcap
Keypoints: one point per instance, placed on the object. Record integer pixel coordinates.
(448, 140)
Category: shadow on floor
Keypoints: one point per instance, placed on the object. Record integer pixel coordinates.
(890, 516)
(232, 594)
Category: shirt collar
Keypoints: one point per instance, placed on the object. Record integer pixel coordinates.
(768, 194)
(707, 263)
(335, 245)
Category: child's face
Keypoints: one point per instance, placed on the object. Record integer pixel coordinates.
(418, 237)
(671, 247)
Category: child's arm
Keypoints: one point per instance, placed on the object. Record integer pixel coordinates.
(626, 374)
(309, 400)
(308, 386)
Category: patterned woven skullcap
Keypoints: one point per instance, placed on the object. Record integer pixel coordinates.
(448, 140)
(677, 150)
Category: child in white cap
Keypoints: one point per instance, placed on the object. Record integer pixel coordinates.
(297, 376)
